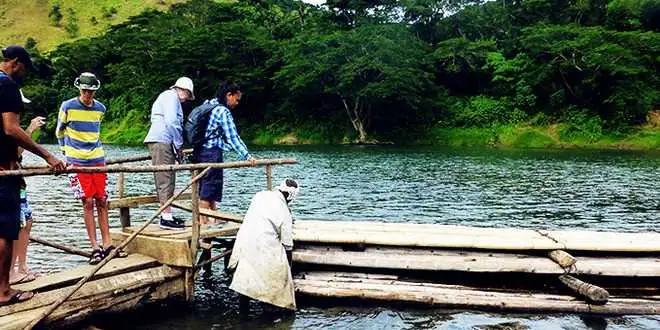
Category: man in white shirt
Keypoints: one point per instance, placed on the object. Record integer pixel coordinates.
(165, 142)
(261, 256)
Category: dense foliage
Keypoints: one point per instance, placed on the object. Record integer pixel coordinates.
(380, 69)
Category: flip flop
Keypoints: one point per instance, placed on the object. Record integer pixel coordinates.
(24, 278)
(17, 297)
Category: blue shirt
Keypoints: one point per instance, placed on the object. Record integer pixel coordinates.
(78, 132)
(166, 120)
(221, 132)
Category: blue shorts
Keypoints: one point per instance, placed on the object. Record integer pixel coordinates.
(210, 187)
(10, 207)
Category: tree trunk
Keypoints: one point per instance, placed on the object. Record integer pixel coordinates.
(356, 116)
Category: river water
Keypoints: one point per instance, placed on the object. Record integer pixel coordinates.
(580, 189)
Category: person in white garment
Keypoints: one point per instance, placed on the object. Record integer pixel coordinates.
(261, 258)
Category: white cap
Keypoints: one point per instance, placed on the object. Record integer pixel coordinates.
(185, 83)
(25, 99)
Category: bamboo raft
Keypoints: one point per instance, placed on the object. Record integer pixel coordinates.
(479, 268)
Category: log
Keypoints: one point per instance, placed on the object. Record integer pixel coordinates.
(147, 168)
(125, 217)
(580, 240)
(136, 201)
(214, 259)
(594, 294)
(471, 261)
(562, 258)
(209, 213)
(62, 247)
(194, 241)
(470, 298)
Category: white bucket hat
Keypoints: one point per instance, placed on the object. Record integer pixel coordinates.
(185, 83)
(25, 99)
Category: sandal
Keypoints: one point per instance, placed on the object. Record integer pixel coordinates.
(18, 297)
(96, 257)
(120, 253)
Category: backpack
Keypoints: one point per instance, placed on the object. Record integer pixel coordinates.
(194, 129)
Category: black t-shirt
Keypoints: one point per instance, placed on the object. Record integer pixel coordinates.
(10, 101)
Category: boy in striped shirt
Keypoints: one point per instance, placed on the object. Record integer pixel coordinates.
(78, 134)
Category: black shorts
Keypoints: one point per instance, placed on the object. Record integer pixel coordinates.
(210, 187)
(10, 207)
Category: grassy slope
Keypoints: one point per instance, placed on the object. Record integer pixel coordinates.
(20, 19)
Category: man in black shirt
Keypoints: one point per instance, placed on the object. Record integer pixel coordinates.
(15, 63)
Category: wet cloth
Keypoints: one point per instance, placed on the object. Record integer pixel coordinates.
(89, 185)
(261, 269)
(210, 186)
(78, 132)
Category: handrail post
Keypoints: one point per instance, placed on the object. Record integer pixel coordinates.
(194, 242)
(124, 212)
(269, 177)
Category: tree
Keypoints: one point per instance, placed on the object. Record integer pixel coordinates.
(363, 68)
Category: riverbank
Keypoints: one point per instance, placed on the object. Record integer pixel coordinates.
(131, 130)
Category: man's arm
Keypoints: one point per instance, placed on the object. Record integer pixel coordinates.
(61, 127)
(173, 114)
(231, 135)
(10, 124)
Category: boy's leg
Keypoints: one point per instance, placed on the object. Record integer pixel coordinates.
(102, 210)
(24, 240)
(90, 225)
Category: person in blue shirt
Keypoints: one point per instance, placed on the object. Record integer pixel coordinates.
(221, 134)
(165, 142)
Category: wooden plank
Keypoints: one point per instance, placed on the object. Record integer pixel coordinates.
(113, 292)
(580, 240)
(174, 252)
(209, 213)
(227, 229)
(469, 298)
(425, 240)
(439, 260)
(70, 276)
(112, 285)
(136, 201)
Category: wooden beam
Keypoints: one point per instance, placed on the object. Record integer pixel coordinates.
(70, 276)
(209, 213)
(136, 201)
(95, 295)
(449, 260)
(464, 297)
(174, 252)
(562, 258)
(593, 293)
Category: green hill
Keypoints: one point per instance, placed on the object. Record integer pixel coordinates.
(52, 22)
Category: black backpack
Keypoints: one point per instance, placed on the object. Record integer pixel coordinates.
(194, 129)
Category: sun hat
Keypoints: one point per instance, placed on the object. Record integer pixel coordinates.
(87, 80)
(185, 83)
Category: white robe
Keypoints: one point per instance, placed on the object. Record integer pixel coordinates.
(259, 258)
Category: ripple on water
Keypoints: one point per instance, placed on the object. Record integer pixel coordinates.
(481, 187)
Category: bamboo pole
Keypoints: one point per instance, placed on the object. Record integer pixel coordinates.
(118, 160)
(194, 242)
(58, 246)
(120, 185)
(212, 260)
(107, 259)
(269, 177)
(562, 258)
(147, 168)
(593, 293)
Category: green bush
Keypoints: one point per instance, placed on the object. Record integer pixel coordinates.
(581, 126)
